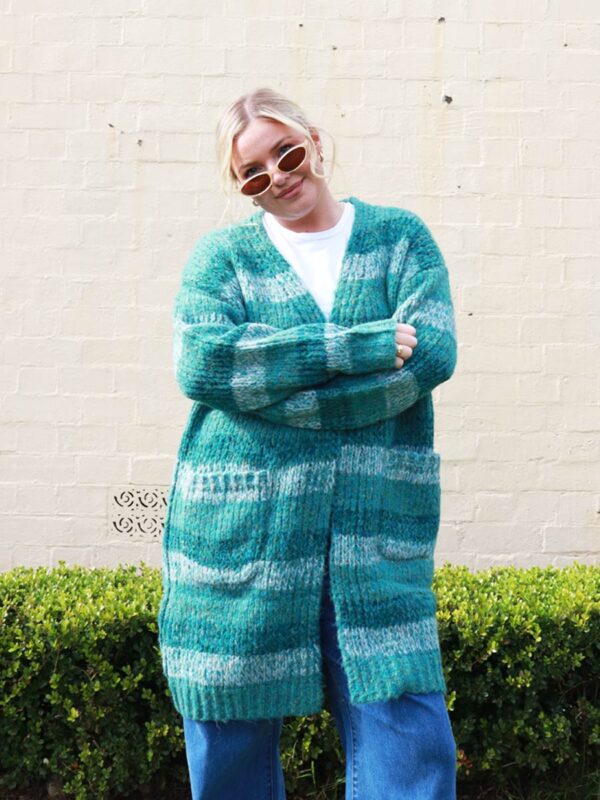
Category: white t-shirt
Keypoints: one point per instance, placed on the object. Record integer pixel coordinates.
(317, 256)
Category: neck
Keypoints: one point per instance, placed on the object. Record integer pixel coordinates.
(325, 214)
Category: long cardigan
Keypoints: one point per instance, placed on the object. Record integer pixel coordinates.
(304, 444)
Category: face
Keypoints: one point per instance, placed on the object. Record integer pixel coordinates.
(257, 148)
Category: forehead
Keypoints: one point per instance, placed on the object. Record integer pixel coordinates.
(254, 143)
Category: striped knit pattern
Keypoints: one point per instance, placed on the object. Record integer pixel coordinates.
(304, 440)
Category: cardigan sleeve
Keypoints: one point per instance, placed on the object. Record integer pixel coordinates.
(226, 362)
(418, 286)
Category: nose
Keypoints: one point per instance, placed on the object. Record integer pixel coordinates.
(279, 178)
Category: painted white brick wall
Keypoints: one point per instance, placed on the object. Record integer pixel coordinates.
(107, 179)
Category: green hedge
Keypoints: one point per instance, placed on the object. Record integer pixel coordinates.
(83, 698)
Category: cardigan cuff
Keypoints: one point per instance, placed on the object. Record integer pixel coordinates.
(368, 347)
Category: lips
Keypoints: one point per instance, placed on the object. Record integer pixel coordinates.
(290, 190)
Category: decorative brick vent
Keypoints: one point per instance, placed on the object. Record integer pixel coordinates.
(138, 512)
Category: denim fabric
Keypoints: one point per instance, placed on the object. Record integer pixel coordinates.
(399, 749)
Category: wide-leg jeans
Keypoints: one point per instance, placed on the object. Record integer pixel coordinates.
(399, 749)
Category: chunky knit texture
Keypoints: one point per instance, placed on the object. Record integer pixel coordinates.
(304, 440)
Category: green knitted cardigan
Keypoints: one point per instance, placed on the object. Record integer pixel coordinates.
(304, 441)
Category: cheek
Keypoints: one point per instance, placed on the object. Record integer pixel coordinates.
(307, 174)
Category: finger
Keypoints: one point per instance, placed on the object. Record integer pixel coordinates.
(405, 338)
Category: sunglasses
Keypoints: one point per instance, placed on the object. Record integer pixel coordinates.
(289, 162)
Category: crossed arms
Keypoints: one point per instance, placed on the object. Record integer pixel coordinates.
(317, 375)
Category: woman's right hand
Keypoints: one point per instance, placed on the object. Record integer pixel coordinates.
(405, 336)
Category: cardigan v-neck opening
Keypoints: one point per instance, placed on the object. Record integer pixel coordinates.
(305, 296)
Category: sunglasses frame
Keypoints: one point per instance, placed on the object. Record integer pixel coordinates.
(276, 168)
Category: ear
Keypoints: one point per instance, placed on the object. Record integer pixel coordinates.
(316, 138)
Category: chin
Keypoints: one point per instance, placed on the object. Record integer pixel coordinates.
(307, 199)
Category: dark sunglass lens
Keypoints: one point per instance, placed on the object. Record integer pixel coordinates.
(256, 185)
(292, 160)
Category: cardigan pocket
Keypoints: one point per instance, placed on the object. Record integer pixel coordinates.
(226, 518)
(410, 501)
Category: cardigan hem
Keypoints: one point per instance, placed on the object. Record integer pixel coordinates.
(369, 682)
(394, 674)
(299, 696)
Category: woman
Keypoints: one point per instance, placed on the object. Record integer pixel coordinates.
(304, 509)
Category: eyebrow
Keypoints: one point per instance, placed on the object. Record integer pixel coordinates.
(275, 146)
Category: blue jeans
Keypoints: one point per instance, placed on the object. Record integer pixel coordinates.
(399, 749)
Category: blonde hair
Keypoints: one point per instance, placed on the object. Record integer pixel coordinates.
(263, 102)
